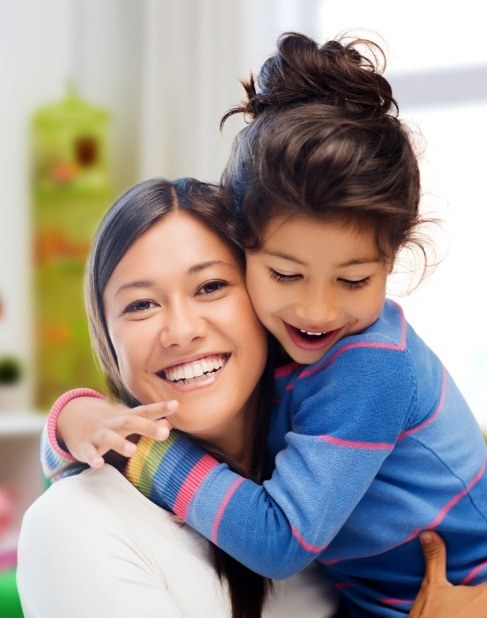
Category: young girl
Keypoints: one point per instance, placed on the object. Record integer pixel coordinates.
(372, 440)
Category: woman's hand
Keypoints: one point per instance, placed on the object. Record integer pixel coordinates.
(437, 597)
(91, 427)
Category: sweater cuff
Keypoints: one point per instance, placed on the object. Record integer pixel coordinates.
(141, 467)
(52, 418)
(169, 473)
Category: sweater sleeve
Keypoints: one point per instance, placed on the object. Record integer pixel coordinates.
(55, 460)
(341, 434)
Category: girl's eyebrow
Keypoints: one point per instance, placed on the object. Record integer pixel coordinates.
(291, 258)
(284, 256)
(359, 261)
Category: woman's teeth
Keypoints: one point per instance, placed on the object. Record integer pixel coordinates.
(197, 369)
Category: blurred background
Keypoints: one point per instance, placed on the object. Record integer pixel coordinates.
(96, 95)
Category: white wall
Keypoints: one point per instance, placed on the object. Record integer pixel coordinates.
(437, 63)
(35, 48)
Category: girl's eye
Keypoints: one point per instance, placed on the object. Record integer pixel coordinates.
(210, 287)
(355, 284)
(140, 305)
(277, 276)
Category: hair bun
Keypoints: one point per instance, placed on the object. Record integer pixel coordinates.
(335, 74)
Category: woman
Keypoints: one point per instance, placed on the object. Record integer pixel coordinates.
(165, 284)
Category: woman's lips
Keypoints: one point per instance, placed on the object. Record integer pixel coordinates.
(196, 374)
(310, 343)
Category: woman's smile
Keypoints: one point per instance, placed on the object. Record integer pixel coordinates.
(195, 374)
(182, 327)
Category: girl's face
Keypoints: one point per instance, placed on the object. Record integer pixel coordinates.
(314, 282)
(183, 328)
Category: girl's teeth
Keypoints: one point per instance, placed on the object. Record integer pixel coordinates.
(307, 332)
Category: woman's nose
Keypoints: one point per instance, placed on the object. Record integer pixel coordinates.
(182, 325)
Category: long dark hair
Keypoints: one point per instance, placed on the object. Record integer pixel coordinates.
(129, 218)
(324, 140)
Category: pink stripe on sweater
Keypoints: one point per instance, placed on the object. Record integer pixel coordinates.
(394, 602)
(473, 573)
(193, 480)
(361, 344)
(314, 549)
(373, 446)
(435, 523)
(435, 414)
(222, 507)
(449, 505)
(285, 370)
(456, 499)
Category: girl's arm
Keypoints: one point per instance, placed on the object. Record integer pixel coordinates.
(83, 427)
(437, 596)
(330, 457)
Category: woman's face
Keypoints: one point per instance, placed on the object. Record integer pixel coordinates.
(183, 327)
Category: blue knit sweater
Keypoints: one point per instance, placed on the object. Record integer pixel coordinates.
(372, 444)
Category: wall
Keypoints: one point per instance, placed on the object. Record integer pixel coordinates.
(35, 51)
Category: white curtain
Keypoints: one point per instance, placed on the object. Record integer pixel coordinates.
(195, 52)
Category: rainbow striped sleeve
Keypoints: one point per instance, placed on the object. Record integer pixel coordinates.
(170, 472)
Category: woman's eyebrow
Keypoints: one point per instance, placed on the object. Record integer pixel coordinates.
(196, 268)
(142, 283)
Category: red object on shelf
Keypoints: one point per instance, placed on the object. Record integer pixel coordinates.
(8, 497)
(8, 559)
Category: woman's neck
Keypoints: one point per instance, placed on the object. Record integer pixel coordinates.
(235, 445)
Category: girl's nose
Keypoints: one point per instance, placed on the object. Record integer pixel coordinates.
(317, 308)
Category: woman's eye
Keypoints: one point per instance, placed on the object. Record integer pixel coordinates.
(277, 276)
(210, 287)
(355, 284)
(140, 305)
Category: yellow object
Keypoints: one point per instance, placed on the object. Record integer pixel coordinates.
(71, 189)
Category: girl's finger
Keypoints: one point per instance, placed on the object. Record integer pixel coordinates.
(128, 425)
(156, 411)
(108, 440)
(90, 455)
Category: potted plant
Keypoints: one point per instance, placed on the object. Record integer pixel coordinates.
(10, 376)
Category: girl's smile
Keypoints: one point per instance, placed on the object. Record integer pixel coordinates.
(312, 341)
(314, 282)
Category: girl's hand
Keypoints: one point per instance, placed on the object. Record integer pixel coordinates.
(437, 596)
(91, 427)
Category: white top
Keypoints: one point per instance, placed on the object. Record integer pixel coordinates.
(92, 545)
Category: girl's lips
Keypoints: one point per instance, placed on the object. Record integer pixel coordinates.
(311, 343)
